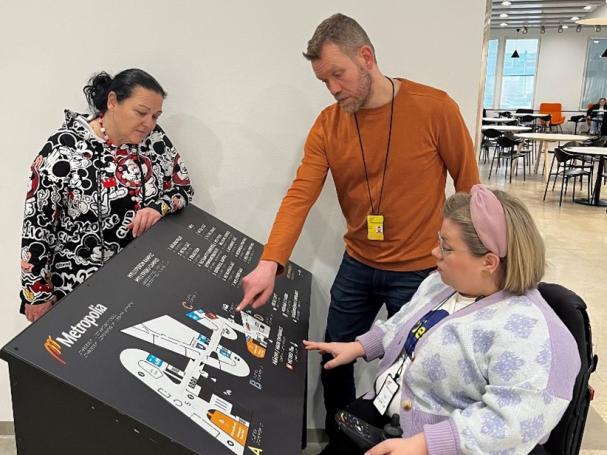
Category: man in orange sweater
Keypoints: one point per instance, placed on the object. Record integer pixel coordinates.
(388, 144)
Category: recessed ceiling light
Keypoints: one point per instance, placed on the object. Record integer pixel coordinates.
(575, 18)
(503, 24)
(503, 15)
(565, 26)
(506, 3)
(587, 7)
(596, 41)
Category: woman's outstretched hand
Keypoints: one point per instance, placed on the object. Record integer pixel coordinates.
(343, 353)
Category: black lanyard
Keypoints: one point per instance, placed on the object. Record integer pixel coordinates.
(360, 140)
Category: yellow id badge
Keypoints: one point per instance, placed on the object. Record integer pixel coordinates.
(375, 227)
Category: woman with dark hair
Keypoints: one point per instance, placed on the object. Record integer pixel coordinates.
(595, 115)
(100, 181)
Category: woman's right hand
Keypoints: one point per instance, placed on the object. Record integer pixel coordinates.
(343, 353)
(35, 312)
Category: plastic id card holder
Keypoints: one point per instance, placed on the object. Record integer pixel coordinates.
(386, 394)
(375, 227)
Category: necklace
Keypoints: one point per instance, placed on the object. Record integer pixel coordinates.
(120, 156)
(106, 138)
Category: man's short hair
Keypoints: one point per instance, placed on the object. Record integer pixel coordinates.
(341, 30)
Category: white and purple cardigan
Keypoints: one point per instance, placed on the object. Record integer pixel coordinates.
(492, 378)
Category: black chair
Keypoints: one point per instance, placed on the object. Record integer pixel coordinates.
(506, 114)
(526, 120)
(596, 142)
(577, 119)
(580, 161)
(489, 137)
(566, 172)
(545, 122)
(566, 437)
(505, 151)
(524, 111)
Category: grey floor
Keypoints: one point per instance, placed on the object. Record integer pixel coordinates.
(7, 445)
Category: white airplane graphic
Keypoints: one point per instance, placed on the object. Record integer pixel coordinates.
(180, 390)
(256, 333)
(171, 334)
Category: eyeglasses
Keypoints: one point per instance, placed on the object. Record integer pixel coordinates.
(444, 250)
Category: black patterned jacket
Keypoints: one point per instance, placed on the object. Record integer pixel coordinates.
(82, 195)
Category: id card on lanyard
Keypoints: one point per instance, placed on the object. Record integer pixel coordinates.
(375, 227)
(375, 221)
(391, 385)
(386, 394)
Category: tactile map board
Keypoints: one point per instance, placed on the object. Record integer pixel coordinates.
(154, 335)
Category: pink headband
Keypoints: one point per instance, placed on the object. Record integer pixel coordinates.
(489, 219)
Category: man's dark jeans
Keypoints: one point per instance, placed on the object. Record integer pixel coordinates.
(357, 295)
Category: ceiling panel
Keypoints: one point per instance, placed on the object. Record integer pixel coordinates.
(534, 13)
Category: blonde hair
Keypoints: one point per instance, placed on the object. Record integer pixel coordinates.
(524, 264)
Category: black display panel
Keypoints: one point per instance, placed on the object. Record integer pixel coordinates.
(155, 337)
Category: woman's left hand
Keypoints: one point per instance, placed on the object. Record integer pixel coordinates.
(144, 219)
(415, 445)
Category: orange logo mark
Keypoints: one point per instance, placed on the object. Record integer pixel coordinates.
(54, 349)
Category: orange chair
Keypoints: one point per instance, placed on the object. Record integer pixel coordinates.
(556, 116)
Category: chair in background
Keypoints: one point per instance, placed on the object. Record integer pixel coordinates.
(565, 172)
(556, 115)
(585, 162)
(576, 119)
(596, 142)
(524, 111)
(544, 123)
(489, 137)
(507, 114)
(527, 120)
(505, 152)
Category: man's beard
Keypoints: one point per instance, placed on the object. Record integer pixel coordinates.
(356, 101)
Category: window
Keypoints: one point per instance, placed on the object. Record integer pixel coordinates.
(518, 79)
(489, 99)
(595, 75)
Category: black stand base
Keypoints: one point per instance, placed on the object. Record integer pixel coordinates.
(53, 417)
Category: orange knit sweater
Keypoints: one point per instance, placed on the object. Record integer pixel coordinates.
(429, 137)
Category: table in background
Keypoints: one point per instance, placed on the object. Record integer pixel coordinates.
(499, 119)
(536, 115)
(505, 128)
(601, 152)
(544, 139)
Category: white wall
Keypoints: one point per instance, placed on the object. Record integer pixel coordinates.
(241, 101)
(561, 63)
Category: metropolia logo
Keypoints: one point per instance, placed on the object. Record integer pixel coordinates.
(54, 349)
(72, 335)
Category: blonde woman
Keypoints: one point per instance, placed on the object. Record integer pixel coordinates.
(477, 362)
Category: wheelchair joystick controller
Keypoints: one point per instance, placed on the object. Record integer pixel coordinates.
(365, 435)
(392, 429)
